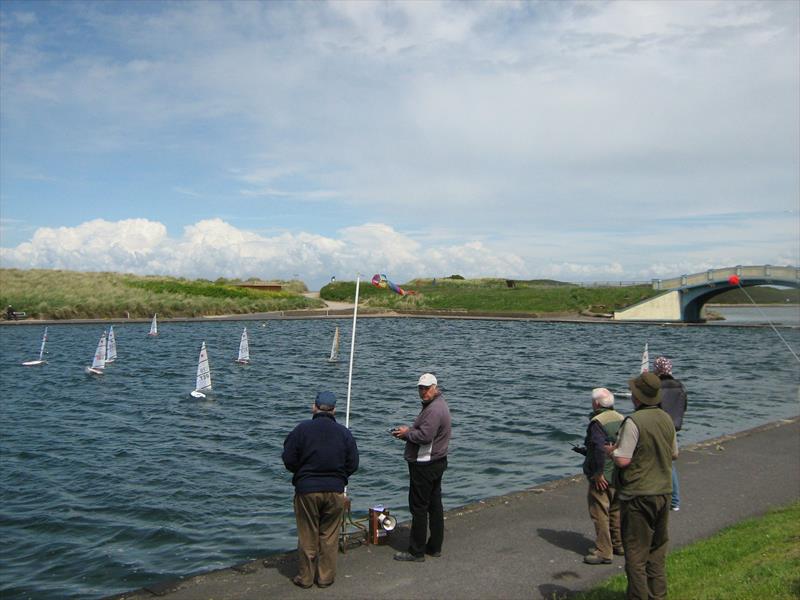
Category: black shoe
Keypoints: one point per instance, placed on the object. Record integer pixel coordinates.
(434, 554)
(299, 583)
(408, 557)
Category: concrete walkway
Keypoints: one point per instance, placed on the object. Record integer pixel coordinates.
(530, 544)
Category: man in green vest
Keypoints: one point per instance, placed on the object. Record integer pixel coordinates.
(644, 452)
(599, 470)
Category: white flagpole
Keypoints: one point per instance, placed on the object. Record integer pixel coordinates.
(352, 353)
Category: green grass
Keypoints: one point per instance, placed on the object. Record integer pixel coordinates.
(753, 560)
(46, 294)
(493, 296)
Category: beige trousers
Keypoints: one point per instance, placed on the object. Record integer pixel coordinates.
(319, 518)
(605, 513)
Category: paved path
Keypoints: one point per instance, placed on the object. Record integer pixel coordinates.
(530, 544)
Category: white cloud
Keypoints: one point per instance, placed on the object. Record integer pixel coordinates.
(213, 248)
(536, 137)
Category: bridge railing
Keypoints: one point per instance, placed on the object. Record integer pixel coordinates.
(719, 275)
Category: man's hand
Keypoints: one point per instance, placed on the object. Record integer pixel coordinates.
(400, 432)
(600, 482)
(609, 448)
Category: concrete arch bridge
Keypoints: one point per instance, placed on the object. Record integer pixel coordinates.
(683, 297)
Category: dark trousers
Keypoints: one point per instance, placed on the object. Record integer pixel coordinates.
(319, 518)
(644, 536)
(425, 505)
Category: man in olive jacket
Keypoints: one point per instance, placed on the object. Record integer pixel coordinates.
(644, 452)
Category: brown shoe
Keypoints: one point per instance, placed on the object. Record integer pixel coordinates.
(596, 559)
(299, 582)
(619, 551)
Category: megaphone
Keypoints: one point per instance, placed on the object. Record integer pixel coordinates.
(388, 522)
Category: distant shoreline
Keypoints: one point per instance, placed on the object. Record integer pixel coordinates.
(364, 312)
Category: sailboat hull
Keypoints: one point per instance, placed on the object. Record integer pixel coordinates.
(197, 394)
(34, 363)
(243, 361)
(93, 371)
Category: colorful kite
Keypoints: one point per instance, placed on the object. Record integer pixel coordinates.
(381, 281)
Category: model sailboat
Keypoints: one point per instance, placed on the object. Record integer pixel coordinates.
(244, 349)
(99, 362)
(203, 383)
(645, 360)
(111, 347)
(41, 360)
(153, 326)
(334, 357)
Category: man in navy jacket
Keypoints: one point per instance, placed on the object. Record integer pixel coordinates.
(322, 454)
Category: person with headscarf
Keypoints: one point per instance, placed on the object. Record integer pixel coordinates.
(673, 402)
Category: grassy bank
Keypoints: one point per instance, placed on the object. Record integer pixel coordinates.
(45, 294)
(493, 295)
(753, 560)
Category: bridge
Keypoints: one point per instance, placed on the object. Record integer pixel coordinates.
(683, 297)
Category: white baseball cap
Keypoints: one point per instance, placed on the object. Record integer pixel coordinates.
(427, 380)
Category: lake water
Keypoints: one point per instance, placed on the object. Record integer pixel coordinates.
(112, 483)
(738, 315)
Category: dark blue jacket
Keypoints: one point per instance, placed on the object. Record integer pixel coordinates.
(321, 453)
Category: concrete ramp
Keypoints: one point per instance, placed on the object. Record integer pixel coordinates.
(664, 307)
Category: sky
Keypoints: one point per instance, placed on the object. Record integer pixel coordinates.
(579, 141)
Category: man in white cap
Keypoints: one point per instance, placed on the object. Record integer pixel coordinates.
(427, 441)
(599, 470)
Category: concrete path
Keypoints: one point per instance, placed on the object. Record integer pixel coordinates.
(530, 544)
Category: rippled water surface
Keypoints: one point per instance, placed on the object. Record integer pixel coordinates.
(112, 483)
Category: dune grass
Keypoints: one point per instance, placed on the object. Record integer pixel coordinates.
(493, 296)
(52, 294)
(753, 560)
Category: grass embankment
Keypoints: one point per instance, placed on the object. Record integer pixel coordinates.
(493, 296)
(753, 560)
(45, 294)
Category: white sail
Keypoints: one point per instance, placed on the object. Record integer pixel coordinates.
(335, 347)
(41, 360)
(99, 362)
(203, 371)
(111, 348)
(244, 349)
(645, 360)
(153, 326)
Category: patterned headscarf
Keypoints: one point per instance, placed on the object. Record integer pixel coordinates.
(662, 366)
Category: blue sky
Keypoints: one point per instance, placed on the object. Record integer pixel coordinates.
(583, 141)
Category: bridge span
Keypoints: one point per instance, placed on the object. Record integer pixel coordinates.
(683, 297)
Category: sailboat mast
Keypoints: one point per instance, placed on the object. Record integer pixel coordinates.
(44, 341)
(352, 353)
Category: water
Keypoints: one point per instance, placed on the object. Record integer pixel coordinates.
(738, 315)
(112, 483)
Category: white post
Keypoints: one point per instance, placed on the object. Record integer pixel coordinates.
(352, 353)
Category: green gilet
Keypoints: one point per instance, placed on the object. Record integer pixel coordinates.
(650, 470)
(610, 420)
